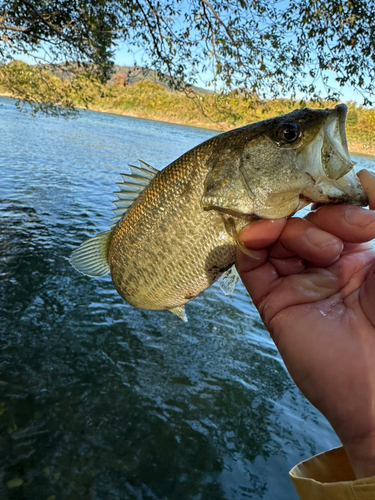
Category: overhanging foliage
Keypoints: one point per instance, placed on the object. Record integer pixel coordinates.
(260, 47)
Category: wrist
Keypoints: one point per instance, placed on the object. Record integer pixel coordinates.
(361, 454)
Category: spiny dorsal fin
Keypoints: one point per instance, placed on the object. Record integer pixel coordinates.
(180, 312)
(229, 280)
(145, 171)
(90, 257)
(133, 184)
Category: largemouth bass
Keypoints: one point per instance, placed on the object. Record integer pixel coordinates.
(175, 230)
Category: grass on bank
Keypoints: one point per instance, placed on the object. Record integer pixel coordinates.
(146, 99)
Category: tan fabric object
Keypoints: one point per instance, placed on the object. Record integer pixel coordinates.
(329, 476)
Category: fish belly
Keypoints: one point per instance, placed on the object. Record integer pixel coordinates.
(172, 259)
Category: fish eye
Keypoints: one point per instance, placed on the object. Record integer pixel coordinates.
(289, 132)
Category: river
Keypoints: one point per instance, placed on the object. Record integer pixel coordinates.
(98, 400)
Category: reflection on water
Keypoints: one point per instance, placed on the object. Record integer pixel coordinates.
(102, 401)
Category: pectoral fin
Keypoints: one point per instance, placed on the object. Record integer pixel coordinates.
(230, 227)
(229, 280)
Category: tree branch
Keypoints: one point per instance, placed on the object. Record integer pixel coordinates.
(42, 18)
(228, 32)
(13, 28)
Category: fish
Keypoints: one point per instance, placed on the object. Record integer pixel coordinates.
(175, 231)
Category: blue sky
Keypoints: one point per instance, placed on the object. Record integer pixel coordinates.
(124, 58)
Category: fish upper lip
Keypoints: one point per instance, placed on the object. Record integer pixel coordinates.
(336, 122)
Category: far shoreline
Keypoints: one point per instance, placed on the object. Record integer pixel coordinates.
(355, 148)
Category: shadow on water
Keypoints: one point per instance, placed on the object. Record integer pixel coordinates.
(102, 401)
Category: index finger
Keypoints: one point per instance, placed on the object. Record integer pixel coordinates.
(262, 233)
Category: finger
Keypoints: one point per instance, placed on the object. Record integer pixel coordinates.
(315, 206)
(262, 233)
(310, 286)
(256, 237)
(367, 179)
(349, 223)
(257, 280)
(246, 264)
(313, 285)
(285, 267)
(303, 239)
(278, 251)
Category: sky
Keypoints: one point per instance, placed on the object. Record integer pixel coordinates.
(124, 58)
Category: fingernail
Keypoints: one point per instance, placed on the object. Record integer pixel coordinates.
(359, 216)
(318, 238)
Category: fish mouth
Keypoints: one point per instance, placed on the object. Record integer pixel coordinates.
(335, 156)
(329, 165)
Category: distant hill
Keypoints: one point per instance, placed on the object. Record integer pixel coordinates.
(125, 75)
(130, 75)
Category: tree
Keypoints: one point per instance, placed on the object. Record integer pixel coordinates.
(259, 47)
(120, 79)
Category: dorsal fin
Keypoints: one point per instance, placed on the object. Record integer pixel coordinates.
(90, 257)
(133, 184)
(145, 170)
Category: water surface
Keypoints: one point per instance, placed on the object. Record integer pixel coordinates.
(102, 401)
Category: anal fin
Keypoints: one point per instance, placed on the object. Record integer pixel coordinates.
(180, 312)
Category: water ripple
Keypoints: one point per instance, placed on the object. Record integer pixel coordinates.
(102, 401)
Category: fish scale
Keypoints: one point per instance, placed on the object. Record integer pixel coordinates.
(172, 267)
(175, 232)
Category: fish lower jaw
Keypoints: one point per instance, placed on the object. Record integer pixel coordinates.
(341, 191)
(326, 189)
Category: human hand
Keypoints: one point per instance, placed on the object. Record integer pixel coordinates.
(314, 287)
